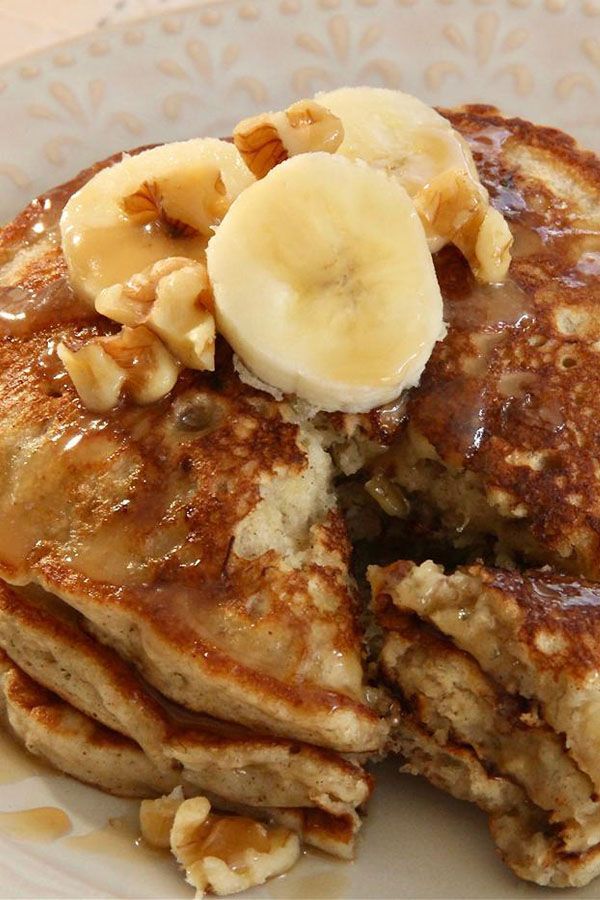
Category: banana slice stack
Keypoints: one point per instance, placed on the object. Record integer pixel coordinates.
(307, 243)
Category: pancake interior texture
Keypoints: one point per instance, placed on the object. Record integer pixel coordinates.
(498, 676)
(179, 607)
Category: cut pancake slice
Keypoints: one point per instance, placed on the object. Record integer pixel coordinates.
(497, 677)
(45, 639)
(79, 746)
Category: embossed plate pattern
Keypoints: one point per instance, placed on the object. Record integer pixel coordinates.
(195, 72)
(199, 70)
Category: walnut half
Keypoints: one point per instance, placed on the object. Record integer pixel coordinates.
(457, 208)
(186, 205)
(266, 140)
(221, 854)
(172, 297)
(133, 363)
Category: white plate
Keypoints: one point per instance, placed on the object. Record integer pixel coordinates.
(195, 72)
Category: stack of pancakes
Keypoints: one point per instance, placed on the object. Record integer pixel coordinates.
(498, 670)
(178, 606)
(179, 577)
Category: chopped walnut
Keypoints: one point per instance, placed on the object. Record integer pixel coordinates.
(457, 208)
(221, 854)
(173, 298)
(157, 817)
(266, 140)
(133, 363)
(492, 255)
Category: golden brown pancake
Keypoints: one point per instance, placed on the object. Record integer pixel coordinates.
(47, 641)
(200, 538)
(497, 451)
(495, 455)
(75, 744)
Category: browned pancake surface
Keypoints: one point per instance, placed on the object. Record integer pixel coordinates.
(511, 396)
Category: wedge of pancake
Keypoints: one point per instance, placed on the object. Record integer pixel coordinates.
(198, 536)
(498, 675)
(496, 452)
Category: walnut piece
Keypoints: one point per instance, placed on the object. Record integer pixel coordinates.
(182, 210)
(157, 817)
(173, 298)
(388, 495)
(457, 208)
(133, 363)
(220, 854)
(268, 139)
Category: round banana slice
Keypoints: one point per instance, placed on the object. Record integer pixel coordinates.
(398, 133)
(324, 284)
(162, 202)
(406, 138)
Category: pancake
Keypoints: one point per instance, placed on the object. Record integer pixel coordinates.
(46, 640)
(50, 729)
(497, 673)
(198, 536)
(495, 453)
(78, 746)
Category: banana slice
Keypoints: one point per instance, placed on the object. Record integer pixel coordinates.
(406, 138)
(160, 203)
(324, 284)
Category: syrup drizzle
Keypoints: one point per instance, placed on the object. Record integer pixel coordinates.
(37, 303)
(42, 824)
(119, 838)
(564, 594)
(487, 395)
(26, 310)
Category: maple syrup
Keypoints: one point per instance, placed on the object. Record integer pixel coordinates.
(41, 824)
(118, 838)
(234, 838)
